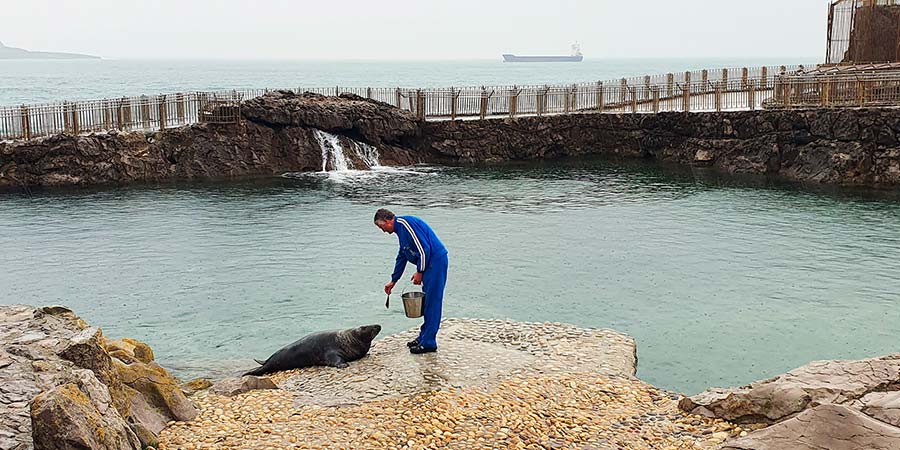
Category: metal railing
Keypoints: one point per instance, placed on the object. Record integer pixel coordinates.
(831, 91)
(700, 90)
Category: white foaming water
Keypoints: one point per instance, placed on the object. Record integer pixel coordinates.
(333, 151)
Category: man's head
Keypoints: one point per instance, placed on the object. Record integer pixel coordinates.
(384, 219)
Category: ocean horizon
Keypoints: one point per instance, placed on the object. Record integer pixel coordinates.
(47, 81)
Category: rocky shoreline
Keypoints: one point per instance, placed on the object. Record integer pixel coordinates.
(278, 134)
(494, 384)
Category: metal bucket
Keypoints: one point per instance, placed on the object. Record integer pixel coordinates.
(412, 303)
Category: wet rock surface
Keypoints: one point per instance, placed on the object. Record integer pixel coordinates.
(491, 384)
(60, 388)
(822, 405)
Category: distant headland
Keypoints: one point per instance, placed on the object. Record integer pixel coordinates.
(19, 53)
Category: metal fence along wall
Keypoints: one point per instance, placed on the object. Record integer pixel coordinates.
(700, 90)
(861, 31)
(828, 91)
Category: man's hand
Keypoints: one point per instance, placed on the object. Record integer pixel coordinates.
(417, 278)
(389, 287)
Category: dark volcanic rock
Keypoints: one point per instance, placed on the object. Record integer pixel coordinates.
(853, 146)
(277, 137)
(370, 121)
(279, 134)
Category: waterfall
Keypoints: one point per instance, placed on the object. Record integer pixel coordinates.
(333, 152)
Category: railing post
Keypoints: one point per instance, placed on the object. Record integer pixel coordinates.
(600, 96)
(764, 78)
(719, 97)
(725, 79)
(860, 93)
(823, 92)
(574, 97)
(513, 101)
(670, 85)
(646, 87)
(704, 79)
(566, 101)
(107, 114)
(744, 78)
(687, 92)
(655, 99)
(420, 104)
(398, 97)
(145, 112)
(483, 105)
(75, 125)
(128, 119)
(162, 112)
(623, 88)
(26, 122)
(179, 107)
(65, 114)
(452, 104)
(633, 99)
(369, 93)
(540, 98)
(751, 97)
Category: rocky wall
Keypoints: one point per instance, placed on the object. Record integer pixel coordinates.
(857, 147)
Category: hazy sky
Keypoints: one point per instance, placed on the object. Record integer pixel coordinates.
(415, 29)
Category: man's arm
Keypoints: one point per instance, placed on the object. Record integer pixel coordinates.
(399, 267)
(420, 244)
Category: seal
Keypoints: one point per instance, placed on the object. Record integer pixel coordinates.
(325, 348)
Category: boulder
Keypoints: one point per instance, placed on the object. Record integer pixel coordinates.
(87, 350)
(822, 382)
(831, 427)
(79, 416)
(196, 385)
(884, 406)
(129, 351)
(57, 377)
(234, 386)
(159, 391)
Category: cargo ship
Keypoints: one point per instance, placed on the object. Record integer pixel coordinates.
(576, 56)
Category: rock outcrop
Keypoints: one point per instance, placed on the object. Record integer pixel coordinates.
(831, 427)
(825, 404)
(230, 387)
(63, 386)
(277, 136)
(851, 146)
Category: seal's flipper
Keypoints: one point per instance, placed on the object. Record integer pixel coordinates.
(262, 363)
(333, 359)
(259, 371)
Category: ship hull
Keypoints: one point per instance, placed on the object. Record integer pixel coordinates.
(514, 58)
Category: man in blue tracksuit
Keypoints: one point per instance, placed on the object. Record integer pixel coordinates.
(420, 246)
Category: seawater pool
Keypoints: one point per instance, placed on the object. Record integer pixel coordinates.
(720, 280)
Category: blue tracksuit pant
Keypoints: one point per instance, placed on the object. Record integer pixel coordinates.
(433, 282)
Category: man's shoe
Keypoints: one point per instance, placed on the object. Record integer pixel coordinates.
(413, 343)
(418, 350)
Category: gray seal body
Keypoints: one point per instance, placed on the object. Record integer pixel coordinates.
(326, 348)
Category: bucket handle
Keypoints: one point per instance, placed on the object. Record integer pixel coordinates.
(403, 291)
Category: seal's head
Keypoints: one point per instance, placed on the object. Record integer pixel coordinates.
(367, 333)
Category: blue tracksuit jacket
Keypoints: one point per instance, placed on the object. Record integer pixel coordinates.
(418, 245)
